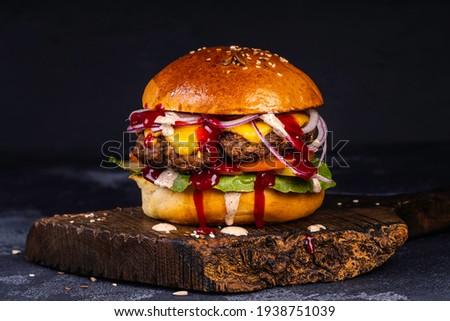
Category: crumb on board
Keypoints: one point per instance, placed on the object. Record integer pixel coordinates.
(181, 293)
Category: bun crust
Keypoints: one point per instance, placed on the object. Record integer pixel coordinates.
(232, 81)
(164, 204)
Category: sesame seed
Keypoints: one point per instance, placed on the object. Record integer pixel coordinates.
(355, 201)
(233, 47)
(219, 49)
(203, 47)
(192, 52)
(208, 59)
(273, 65)
(15, 252)
(269, 55)
(258, 62)
(228, 71)
(92, 221)
(199, 49)
(276, 55)
(279, 74)
(339, 203)
(93, 279)
(228, 51)
(244, 68)
(60, 272)
(257, 66)
(377, 204)
(31, 275)
(197, 236)
(283, 59)
(71, 222)
(84, 286)
(99, 219)
(114, 284)
(67, 288)
(211, 235)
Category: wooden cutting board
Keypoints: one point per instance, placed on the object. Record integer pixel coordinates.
(361, 233)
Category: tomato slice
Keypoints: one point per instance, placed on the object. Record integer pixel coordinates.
(262, 165)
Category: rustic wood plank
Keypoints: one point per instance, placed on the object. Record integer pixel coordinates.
(424, 212)
(120, 244)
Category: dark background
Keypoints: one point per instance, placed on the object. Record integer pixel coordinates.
(71, 73)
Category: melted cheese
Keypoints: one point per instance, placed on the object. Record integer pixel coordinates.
(249, 133)
(301, 118)
(183, 139)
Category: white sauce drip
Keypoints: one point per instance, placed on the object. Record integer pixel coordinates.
(272, 120)
(166, 178)
(164, 227)
(167, 122)
(231, 205)
(316, 185)
(316, 228)
(234, 230)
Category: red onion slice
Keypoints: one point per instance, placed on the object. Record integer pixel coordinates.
(135, 129)
(137, 112)
(275, 152)
(312, 123)
(237, 122)
(322, 178)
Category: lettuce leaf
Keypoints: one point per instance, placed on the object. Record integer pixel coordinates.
(245, 182)
(126, 165)
(288, 184)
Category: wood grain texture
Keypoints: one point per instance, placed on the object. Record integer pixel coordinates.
(120, 244)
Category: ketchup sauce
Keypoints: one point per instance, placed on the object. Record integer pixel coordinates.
(148, 141)
(204, 230)
(299, 160)
(309, 246)
(204, 180)
(146, 118)
(262, 181)
(151, 174)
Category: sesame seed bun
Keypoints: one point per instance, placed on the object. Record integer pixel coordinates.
(233, 81)
(180, 207)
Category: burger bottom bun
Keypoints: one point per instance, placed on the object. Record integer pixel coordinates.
(164, 204)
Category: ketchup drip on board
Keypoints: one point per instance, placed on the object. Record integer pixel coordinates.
(309, 246)
(304, 168)
(262, 181)
(204, 230)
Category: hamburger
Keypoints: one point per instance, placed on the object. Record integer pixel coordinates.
(229, 135)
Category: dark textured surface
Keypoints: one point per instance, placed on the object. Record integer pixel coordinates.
(418, 270)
